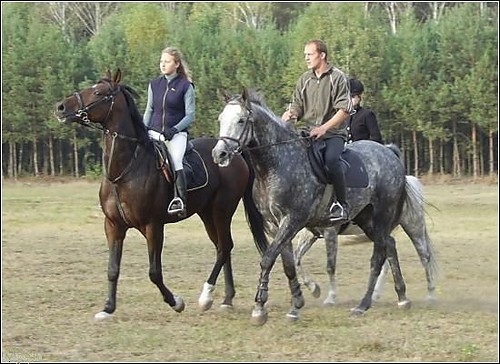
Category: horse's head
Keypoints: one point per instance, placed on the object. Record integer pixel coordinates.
(93, 104)
(236, 129)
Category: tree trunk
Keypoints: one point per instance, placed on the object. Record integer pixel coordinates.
(431, 157)
(415, 151)
(475, 161)
(61, 160)
(35, 158)
(20, 159)
(75, 154)
(51, 156)
(12, 169)
(441, 157)
(492, 153)
(457, 171)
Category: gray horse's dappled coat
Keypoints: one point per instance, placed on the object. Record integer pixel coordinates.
(289, 197)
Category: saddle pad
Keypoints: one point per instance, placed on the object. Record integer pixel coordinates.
(195, 170)
(355, 171)
(354, 168)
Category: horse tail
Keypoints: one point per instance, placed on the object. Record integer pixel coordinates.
(414, 217)
(254, 218)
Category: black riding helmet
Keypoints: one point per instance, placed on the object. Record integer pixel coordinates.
(356, 87)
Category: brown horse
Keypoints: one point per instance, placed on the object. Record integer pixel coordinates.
(134, 192)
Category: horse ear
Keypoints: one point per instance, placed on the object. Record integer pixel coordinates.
(107, 74)
(244, 96)
(226, 95)
(118, 76)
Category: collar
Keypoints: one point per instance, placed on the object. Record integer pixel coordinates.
(171, 77)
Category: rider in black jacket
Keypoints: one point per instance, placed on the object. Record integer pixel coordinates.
(363, 123)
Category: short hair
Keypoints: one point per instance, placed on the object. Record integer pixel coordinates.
(320, 46)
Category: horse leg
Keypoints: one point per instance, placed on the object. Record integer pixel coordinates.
(115, 236)
(221, 238)
(331, 245)
(399, 283)
(306, 240)
(377, 260)
(290, 272)
(421, 241)
(154, 236)
(282, 240)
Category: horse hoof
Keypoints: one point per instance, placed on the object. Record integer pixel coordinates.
(205, 306)
(179, 304)
(357, 311)
(101, 316)
(316, 290)
(259, 316)
(431, 298)
(226, 307)
(406, 304)
(329, 300)
(293, 315)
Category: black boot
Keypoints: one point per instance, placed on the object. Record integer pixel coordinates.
(339, 209)
(178, 204)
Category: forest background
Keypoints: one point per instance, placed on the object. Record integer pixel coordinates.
(430, 71)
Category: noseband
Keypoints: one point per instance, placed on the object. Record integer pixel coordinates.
(247, 132)
(83, 111)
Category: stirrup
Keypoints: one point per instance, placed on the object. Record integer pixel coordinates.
(342, 212)
(176, 206)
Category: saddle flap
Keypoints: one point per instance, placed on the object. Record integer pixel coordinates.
(354, 168)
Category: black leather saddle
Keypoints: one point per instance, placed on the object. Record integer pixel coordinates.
(354, 168)
(195, 169)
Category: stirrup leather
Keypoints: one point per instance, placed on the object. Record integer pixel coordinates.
(176, 205)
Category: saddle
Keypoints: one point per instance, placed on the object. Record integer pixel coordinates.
(353, 167)
(195, 169)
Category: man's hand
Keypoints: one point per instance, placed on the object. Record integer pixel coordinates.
(169, 134)
(318, 132)
(287, 115)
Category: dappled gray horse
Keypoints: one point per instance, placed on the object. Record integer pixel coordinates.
(290, 197)
(412, 220)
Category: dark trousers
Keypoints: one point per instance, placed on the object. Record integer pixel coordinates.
(334, 167)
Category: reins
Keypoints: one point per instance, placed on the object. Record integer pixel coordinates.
(248, 130)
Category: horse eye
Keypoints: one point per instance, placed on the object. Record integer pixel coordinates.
(97, 93)
(241, 121)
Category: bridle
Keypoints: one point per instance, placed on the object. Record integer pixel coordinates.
(248, 133)
(83, 119)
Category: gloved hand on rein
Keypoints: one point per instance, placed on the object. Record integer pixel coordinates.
(169, 133)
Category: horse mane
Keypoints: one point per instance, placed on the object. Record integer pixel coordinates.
(255, 96)
(130, 95)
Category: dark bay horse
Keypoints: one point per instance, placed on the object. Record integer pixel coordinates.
(289, 196)
(134, 192)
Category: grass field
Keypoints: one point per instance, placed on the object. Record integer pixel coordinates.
(54, 263)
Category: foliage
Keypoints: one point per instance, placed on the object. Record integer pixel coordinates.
(428, 68)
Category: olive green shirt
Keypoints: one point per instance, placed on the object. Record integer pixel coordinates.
(316, 100)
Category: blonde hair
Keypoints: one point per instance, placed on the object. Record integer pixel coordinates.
(179, 57)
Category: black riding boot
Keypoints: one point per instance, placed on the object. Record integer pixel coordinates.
(178, 204)
(339, 209)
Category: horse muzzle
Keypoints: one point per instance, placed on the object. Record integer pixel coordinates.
(63, 115)
(221, 155)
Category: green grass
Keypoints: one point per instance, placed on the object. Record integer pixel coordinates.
(54, 262)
